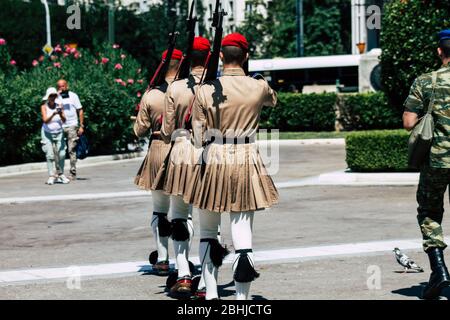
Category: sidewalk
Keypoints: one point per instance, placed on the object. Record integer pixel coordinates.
(100, 160)
(88, 162)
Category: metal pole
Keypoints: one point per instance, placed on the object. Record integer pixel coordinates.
(47, 22)
(300, 32)
(111, 31)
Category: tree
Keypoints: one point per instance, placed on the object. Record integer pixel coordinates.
(409, 41)
(326, 25)
(255, 28)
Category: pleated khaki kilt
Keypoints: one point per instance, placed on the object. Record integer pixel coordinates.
(146, 176)
(180, 169)
(232, 178)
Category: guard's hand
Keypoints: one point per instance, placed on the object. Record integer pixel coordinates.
(80, 131)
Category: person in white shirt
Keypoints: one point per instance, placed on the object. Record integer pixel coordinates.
(74, 125)
(52, 136)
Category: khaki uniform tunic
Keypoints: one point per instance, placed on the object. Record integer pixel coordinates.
(149, 118)
(232, 177)
(184, 156)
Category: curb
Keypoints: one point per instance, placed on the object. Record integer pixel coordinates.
(35, 167)
(369, 179)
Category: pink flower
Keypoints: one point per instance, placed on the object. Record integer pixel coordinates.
(72, 50)
(96, 61)
(139, 94)
(77, 55)
(41, 58)
(140, 81)
(57, 64)
(130, 81)
(65, 54)
(34, 63)
(105, 60)
(58, 48)
(118, 66)
(116, 46)
(2, 42)
(13, 62)
(121, 82)
(122, 56)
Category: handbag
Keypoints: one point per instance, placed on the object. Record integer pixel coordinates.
(82, 148)
(421, 137)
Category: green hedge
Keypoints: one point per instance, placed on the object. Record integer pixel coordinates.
(305, 112)
(368, 111)
(373, 151)
(317, 112)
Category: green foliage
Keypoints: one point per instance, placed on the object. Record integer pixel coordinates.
(409, 41)
(369, 111)
(108, 92)
(305, 112)
(6, 63)
(326, 24)
(317, 112)
(374, 151)
(144, 35)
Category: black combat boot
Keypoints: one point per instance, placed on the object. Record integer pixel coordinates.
(439, 278)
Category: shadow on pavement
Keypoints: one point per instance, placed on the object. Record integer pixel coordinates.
(416, 291)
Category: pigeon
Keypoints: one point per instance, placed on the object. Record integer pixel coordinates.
(406, 261)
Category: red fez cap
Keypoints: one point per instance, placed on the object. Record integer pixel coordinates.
(176, 55)
(235, 40)
(201, 44)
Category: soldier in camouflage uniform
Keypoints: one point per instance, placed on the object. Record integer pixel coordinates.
(435, 174)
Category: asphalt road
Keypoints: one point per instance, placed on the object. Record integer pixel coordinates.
(86, 232)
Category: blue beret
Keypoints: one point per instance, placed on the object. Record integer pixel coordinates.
(444, 34)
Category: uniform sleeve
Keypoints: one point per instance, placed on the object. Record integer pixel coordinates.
(271, 95)
(143, 122)
(76, 101)
(168, 125)
(414, 102)
(199, 118)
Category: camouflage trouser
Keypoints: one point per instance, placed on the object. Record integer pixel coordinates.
(430, 196)
(72, 139)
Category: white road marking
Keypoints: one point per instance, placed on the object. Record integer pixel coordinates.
(138, 267)
(310, 181)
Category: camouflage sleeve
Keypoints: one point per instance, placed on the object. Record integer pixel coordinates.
(168, 125)
(414, 102)
(143, 122)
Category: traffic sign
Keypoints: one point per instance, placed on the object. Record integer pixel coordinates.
(47, 49)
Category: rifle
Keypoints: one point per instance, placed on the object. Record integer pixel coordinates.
(160, 74)
(183, 71)
(213, 63)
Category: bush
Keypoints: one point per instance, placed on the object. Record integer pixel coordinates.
(305, 112)
(317, 112)
(377, 151)
(409, 41)
(108, 92)
(367, 111)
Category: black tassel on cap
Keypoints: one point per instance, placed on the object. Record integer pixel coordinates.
(245, 272)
